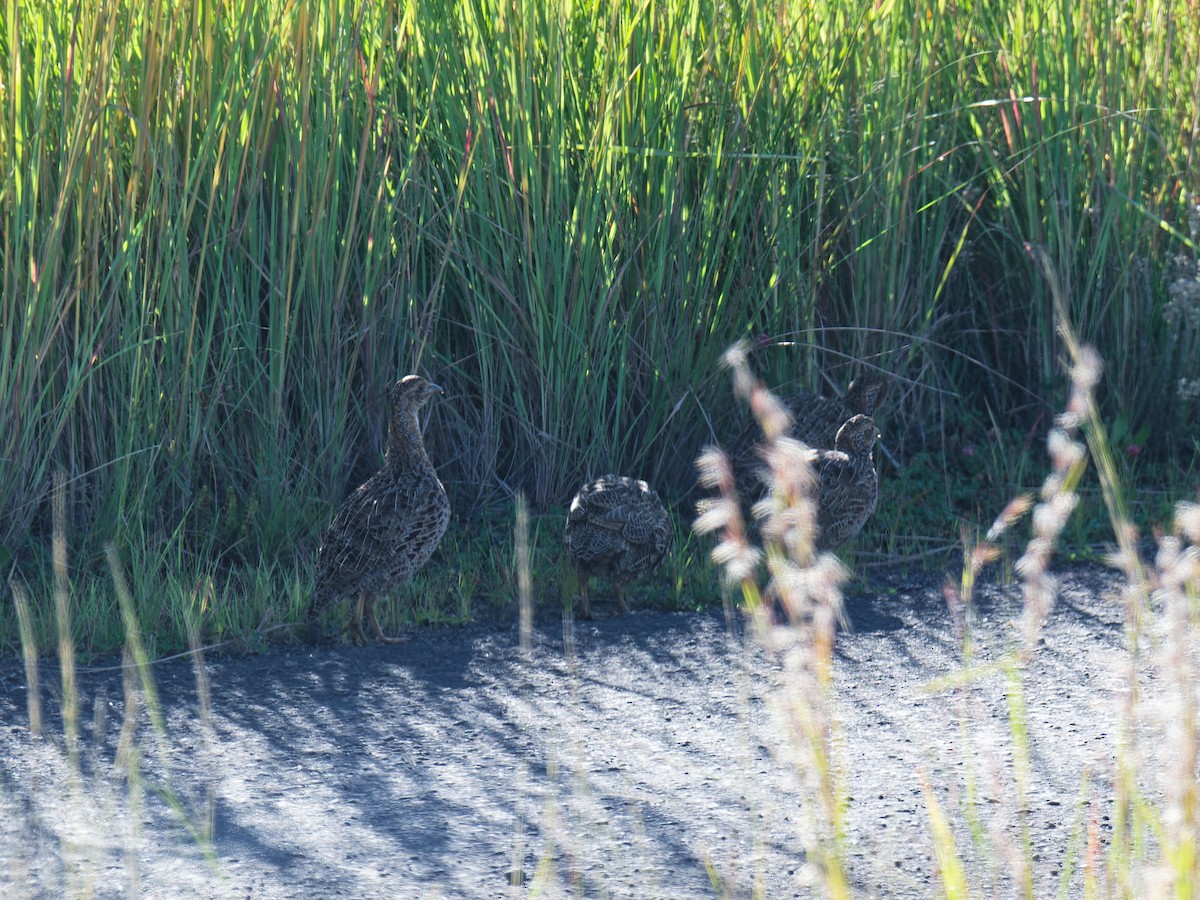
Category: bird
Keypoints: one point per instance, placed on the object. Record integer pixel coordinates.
(389, 527)
(817, 419)
(848, 485)
(616, 529)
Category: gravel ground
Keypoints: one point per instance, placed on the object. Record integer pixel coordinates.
(634, 756)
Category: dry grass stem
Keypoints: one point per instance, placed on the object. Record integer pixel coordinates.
(524, 573)
(805, 588)
(62, 607)
(29, 652)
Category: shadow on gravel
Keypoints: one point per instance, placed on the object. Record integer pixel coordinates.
(631, 759)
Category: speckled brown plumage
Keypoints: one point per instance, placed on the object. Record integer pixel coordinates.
(388, 528)
(617, 529)
(849, 484)
(816, 419)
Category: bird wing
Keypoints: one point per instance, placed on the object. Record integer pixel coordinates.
(374, 531)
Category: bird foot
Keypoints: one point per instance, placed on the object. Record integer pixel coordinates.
(584, 608)
(400, 639)
(354, 626)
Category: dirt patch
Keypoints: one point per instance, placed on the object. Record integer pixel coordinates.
(634, 756)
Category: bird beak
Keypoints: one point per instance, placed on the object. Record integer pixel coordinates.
(432, 389)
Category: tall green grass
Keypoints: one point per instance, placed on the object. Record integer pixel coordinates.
(227, 228)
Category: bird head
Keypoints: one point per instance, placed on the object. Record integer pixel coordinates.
(866, 393)
(411, 392)
(857, 436)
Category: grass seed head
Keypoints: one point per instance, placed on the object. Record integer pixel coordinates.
(716, 514)
(773, 417)
(1187, 520)
(1050, 518)
(1064, 452)
(1017, 507)
(715, 470)
(790, 466)
(737, 558)
(1088, 368)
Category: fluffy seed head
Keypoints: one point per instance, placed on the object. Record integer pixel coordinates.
(1187, 521)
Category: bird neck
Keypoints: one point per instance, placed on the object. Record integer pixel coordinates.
(858, 396)
(864, 395)
(404, 438)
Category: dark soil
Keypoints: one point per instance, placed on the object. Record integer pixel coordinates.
(634, 756)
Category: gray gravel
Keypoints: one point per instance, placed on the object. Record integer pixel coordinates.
(642, 756)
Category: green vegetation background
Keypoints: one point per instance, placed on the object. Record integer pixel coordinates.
(226, 229)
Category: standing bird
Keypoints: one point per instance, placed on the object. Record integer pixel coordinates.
(616, 529)
(817, 419)
(388, 528)
(848, 483)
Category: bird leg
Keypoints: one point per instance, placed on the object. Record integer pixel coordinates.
(585, 610)
(354, 626)
(379, 631)
(624, 607)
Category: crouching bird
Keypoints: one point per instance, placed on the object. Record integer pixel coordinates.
(616, 529)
